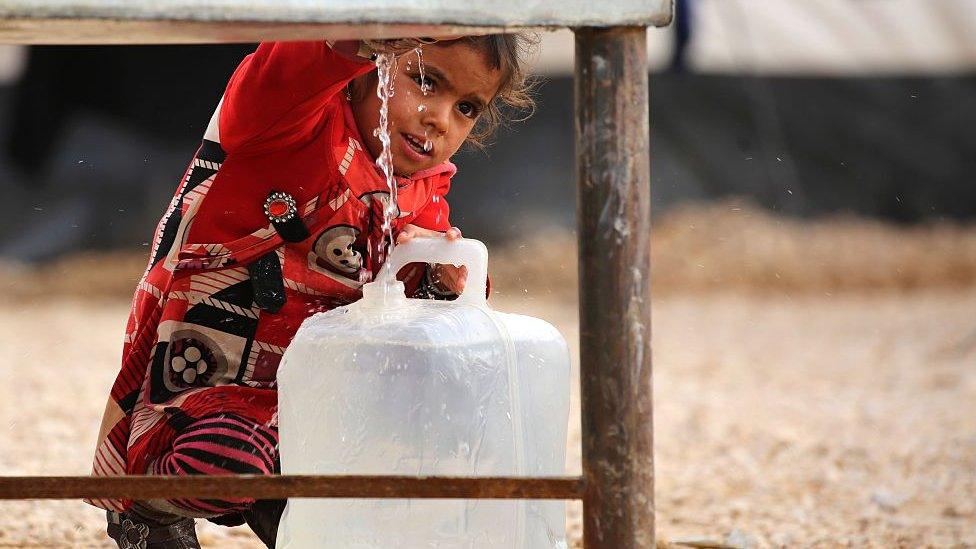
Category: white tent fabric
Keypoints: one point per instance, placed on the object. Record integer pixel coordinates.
(835, 36)
(12, 59)
(813, 37)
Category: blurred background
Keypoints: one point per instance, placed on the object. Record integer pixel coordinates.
(814, 259)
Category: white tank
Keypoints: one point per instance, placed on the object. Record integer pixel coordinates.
(397, 386)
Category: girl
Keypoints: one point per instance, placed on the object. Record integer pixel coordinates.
(280, 215)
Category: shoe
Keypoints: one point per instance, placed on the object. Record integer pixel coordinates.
(263, 518)
(135, 532)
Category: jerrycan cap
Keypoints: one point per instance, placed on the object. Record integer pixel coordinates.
(473, 254)
(386, 292)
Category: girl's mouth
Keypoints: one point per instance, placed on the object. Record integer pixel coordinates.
(416, 145)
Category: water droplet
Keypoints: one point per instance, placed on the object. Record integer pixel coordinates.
(420, 67)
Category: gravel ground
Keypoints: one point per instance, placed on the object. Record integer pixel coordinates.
(811, 420)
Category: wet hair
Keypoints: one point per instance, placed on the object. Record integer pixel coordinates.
(508, 53)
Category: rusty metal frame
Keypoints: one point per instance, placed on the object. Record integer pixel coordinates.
(614, 233)
(613, 217)
(141, 487)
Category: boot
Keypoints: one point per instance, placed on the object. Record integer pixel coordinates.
(136, 532)
(263, 518)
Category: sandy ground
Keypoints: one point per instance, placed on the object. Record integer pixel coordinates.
(813, 420)
(815, 383)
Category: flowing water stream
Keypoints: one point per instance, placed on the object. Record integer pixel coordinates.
(386, 67)
(385, 71)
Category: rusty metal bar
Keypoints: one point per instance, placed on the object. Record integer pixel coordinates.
(613, 217)
(284, 486)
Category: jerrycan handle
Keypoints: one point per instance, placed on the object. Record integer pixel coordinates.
(465, 251)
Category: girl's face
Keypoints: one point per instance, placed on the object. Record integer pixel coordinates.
(459, 84)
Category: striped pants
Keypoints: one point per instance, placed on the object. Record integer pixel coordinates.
(224, 444)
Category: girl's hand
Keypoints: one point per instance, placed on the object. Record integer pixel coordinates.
(447, 278)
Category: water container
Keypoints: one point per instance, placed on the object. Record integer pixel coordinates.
(397, 386)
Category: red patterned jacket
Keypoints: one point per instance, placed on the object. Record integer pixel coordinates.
(226, 289)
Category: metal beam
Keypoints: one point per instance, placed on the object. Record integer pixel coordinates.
(187, 21)
(613, 217)
(141, 487)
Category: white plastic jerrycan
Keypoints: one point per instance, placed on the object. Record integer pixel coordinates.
(397, 386)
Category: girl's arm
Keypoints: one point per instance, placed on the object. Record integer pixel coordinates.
(278, 93)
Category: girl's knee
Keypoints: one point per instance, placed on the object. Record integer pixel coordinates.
(222, 445)
(218, 445)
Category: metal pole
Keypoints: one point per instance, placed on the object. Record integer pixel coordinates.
(613, 217)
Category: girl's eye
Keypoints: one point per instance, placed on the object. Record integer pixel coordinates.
(468, 109)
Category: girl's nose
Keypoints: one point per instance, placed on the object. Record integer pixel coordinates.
(436, 117)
